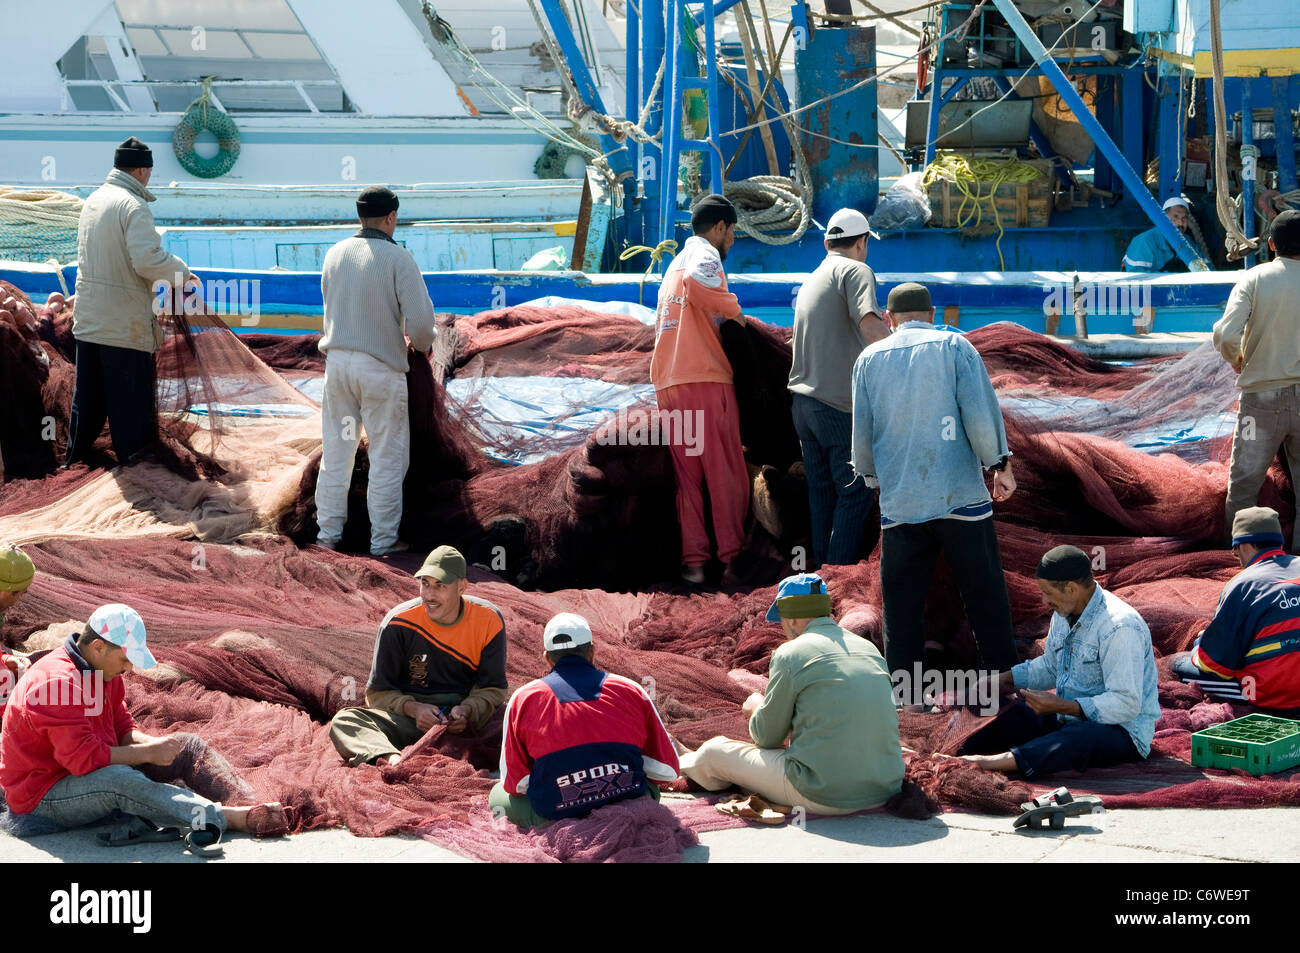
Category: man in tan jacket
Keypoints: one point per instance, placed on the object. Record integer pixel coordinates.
(1259, 335)
(120, 264)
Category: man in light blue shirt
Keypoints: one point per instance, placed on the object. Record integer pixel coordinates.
(1099, 660)
(925, 421)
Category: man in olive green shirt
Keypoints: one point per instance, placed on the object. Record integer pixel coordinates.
(829, 691)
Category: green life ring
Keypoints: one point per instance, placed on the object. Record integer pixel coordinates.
(196, 119)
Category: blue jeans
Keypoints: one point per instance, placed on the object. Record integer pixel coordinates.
(839, 505)
(1043, 744)
(76, 801)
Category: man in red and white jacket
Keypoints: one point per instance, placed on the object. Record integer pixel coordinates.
(579, 738)
(69, 747)
(694, 388)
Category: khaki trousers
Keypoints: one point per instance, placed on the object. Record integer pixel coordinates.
(1267, 421)
(720, 762)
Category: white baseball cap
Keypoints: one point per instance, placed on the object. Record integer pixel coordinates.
(566, 631)
(1174, 202)
(122, 626)
(848, 223)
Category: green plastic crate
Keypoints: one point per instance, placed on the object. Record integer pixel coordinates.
(1257, 744)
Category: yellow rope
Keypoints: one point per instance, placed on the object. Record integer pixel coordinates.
(668, 245)
(967, 174)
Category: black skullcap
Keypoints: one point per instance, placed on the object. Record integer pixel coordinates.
(1285, 232)
(711, 209)
(376, 202)
(133, 154)
(908, 297)
(1065, 564)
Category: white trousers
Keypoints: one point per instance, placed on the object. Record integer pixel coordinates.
(362, 392)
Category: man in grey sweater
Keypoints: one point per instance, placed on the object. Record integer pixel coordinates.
(374, 298)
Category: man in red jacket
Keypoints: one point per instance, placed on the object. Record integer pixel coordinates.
(69, 748)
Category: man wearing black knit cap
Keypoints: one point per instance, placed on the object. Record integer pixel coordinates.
(374, 298)
(926, 425)
(1099, 660)
(121, 265)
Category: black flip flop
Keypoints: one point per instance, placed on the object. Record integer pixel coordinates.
(137, 831)
(204, 842)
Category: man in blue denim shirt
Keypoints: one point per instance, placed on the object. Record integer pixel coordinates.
(925, 418)
(1098, 657)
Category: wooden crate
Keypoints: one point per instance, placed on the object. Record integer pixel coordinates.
(1019, 205)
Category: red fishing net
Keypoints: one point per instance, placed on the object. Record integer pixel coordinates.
(260, 642)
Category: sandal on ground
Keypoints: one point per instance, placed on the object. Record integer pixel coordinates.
(204, 842)
(137, 831)
(754, 808)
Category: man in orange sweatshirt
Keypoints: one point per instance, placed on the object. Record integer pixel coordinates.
(693, 385)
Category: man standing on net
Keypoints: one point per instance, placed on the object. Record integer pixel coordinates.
(440, 659)
(693, 386)
(925, 420)
(1090, 699)
(70, 752)
(835, 317)
(120, 263)
(374, 298)
(1259, 335)
(578, 738)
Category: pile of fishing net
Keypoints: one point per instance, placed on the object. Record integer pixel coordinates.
(262, 637)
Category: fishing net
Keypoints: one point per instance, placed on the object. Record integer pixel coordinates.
(262, 638)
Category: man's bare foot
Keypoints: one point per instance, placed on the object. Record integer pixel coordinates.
(680, 748)
(237, 817)
(991, 762)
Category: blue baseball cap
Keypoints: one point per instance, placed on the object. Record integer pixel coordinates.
(122, 626)
(802, 596)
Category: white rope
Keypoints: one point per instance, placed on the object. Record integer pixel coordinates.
(1234, 240)
(39, 207)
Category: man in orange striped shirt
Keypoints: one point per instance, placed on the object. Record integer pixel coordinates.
(693, 385)
(440, 659)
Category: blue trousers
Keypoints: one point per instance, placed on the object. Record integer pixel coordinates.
(838, 504)
(1043, 744)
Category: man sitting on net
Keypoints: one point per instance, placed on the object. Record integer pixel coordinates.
(70, 750)
(16, 574)
(440, 659)
(578, 738)
(1254, 638)
(829, 691)
(1098, 658)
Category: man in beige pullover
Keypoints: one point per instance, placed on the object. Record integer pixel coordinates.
(1259, 335)
(374, 298)
(122, 273)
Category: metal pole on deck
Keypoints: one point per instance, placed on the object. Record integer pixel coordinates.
(1249, 153)
(1131, 179)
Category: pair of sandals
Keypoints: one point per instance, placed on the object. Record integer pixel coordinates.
(204, 842)
(756, 809)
